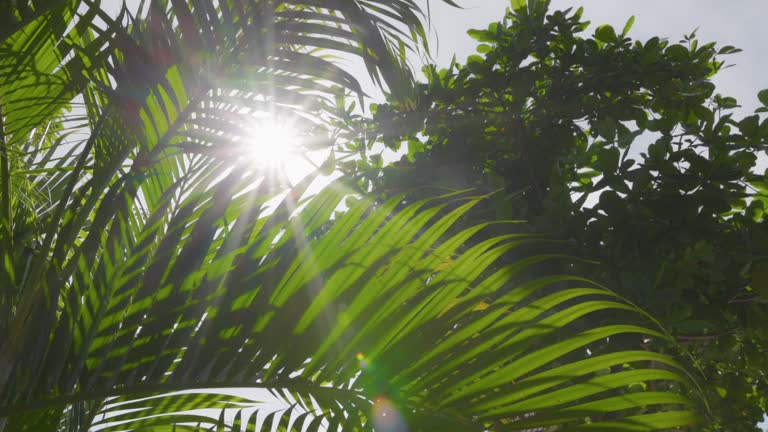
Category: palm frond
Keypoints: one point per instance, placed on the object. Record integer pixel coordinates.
(161, 262)
(373, 306)
(172, 87)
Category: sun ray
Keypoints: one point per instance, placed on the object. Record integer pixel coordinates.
(273, 145)
(276, 145)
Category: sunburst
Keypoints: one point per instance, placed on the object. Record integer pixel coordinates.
(277, 146)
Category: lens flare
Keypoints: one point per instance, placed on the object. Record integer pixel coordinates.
(386, 417)
(362, 361)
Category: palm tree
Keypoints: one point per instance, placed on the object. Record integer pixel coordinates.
(150, 272)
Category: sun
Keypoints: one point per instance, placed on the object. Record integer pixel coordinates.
(272, 145)
(277, 147)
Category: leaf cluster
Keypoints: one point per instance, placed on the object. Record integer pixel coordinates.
(160, 270)
(624, 149)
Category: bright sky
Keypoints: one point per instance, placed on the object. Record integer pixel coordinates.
(738, 23)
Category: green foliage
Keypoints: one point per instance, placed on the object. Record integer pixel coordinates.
(159, 269)
(624, 149)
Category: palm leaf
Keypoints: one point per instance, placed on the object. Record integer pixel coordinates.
(156, 93)
(445, 339)
(160, 262)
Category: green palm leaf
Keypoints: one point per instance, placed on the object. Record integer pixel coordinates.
(155, 93)
(157, 262)
(443, 342)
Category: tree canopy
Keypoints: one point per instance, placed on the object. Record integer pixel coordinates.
(625, 151)
(152, 267)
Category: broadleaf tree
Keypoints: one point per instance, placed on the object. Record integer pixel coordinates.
(624, 150)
